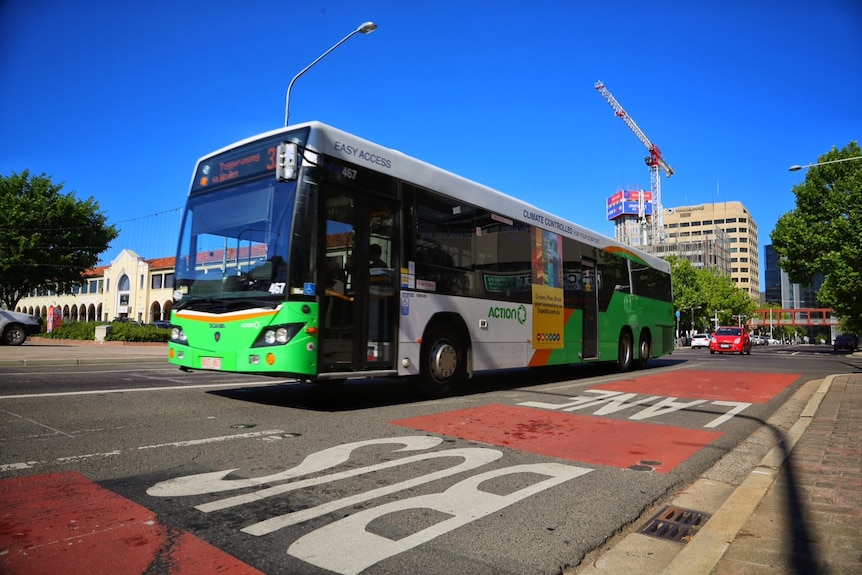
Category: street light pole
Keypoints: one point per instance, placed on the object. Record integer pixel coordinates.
(797, 167)
(365, 28)
(770, 323)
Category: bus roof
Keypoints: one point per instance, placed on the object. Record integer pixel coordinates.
(331, 141)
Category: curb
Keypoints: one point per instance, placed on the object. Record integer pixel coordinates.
(34, 362)
(733, 506)
(709, 545)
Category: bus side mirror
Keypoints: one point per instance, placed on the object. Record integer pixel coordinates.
(285, 166)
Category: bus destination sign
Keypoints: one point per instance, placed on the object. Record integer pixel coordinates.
(248, 162)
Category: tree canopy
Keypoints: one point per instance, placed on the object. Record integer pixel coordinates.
(47, 239)
(823, 234)
(701, 295)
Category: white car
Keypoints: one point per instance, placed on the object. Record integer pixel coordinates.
(16, 326)
(699, 340)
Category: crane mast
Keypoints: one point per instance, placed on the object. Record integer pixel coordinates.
(656, 163)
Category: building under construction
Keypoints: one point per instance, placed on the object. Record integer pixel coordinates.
(720, 236)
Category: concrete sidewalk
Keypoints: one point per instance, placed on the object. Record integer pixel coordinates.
(809, 520)
(798, 510)
(46, 351)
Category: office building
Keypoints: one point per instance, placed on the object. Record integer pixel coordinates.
(719, 226)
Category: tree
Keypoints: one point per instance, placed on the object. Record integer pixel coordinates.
(688, 299)
(823, 234)
(47, 239)
(730, 304)
(701, 294)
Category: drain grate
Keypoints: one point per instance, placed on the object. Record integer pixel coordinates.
(675, 524)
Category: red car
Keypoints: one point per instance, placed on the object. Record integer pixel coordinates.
(730, 340)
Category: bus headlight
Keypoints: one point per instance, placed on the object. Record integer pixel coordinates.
(281, 335)
(277, 334)
(178, 335)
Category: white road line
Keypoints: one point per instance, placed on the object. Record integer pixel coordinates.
(131, 389)
(17, 466)
(36, 423)
(75, 458)
(214, 439)
(598, 380)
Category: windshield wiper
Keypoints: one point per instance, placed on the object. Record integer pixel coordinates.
(200, 303)
(223, 305)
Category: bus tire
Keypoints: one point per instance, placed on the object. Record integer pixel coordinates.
(625, 358)
(444, 360)
(645, 349)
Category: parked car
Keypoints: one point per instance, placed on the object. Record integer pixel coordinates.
(730, 339)
(161, 324)
(700, 340)
(845, 342)
(758, 340)
(16, 326)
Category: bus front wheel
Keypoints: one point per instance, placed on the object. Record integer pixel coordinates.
(625, 359)
(444, 360)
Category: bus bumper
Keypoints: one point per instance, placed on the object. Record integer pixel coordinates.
(275, 360)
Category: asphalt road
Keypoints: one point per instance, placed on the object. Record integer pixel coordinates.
(522, 472)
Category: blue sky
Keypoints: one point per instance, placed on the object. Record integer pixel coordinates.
(119, 99)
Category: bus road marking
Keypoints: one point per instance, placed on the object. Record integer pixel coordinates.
(611, 402)
(583, 438)
(472, 457)
(359, 548)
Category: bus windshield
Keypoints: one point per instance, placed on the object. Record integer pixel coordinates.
(234, 245)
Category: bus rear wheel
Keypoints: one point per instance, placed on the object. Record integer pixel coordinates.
(626, 352)
(444, 360)
(645, 349)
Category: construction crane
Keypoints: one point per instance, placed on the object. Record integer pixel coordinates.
(655, 161)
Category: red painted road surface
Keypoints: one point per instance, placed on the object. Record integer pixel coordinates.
(603, 441)
(63, 523)
(711, 385)
(583, 438)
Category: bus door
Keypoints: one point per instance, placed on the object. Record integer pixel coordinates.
(590, 349)
(359, 274)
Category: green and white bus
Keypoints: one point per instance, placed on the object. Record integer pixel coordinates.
(308, 252)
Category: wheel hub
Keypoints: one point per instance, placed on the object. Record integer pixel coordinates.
(444, 361)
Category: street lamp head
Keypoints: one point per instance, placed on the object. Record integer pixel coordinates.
(797, 167)
(365, 28)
